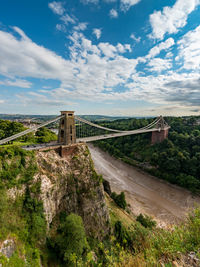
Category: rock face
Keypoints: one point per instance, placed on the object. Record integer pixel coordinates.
(70, 184)
(7, 247)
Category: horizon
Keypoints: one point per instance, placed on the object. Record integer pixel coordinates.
(133, 58)
(102, 115)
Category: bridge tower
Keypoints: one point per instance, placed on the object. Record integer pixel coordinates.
(162, 133)
(67, 129)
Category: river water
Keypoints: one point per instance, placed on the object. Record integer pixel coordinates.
(166, 203)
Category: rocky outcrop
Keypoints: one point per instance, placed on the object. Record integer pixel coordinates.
(70, 184)
(7, 247)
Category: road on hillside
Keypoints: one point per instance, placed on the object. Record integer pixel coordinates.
(166, 203)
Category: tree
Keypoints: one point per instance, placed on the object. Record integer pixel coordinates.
(44, 135)
(71, 238)
(119, 199)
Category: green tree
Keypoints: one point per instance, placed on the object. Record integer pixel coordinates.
(71, 239)
(120, 199)
(44, 135)
(146, 221)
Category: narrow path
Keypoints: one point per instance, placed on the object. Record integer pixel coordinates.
(167, 203)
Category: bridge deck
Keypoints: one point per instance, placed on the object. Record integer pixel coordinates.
(106, 136)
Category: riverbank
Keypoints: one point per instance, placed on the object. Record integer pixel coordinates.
(166, 203)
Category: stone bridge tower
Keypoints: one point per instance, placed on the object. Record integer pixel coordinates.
(162, 133)
(67, 129)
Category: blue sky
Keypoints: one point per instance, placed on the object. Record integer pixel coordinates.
(111, 57)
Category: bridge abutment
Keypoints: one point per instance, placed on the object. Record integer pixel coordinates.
(67, 129)
(159, 136)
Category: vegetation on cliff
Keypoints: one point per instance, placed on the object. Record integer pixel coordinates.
(176, 159)
(21, 215)
(77, 231)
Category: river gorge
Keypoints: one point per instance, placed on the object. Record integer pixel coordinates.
(165, 202)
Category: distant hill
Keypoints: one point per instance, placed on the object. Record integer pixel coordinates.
(49, 117)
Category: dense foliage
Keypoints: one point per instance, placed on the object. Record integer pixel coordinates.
(146, 221)
(9, 128)
(44, 135)
(21, 217)
(119, 199)
(16, 167)
(22, 220)
(176, 159)
(70, 242)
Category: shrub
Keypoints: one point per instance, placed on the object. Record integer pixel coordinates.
(146, 221)
(119, 199)
(71, 238)
(34, 213)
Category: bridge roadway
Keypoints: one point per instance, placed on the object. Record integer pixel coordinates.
(106, 136)
(117, 133)
(89, 139)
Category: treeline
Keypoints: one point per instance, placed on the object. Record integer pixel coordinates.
(176, 159)
(9, 128)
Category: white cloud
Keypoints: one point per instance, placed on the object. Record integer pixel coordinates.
(68, 19)
(132, 36)
(171, 19)
(2, 101)
(126, 4)
(159, 64)
(166, 88)
(113, 13)
(23, 58)
(94, 72)
(34, 98)
(107, 49)
(57, 7)
(161, 46)
(169, 55)
(81, 26)
(17, 83)
(21, 33)
(97, 33)
(78, 76)
(111, 51)
(123, 48)
(61, 27)
(189, 50)
(86, 2)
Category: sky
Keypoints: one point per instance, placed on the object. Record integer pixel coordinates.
(109, 57)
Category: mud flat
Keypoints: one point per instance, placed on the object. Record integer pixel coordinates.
(166, 203)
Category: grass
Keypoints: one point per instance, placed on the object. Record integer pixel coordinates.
(17, 143)
(117, 213)
(158, 247)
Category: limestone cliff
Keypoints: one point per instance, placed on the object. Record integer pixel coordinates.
(70, 184)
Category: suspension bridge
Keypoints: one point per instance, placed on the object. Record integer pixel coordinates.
(74, 129)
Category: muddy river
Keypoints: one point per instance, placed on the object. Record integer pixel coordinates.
(166, 203)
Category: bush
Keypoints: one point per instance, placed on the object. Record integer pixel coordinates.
(119, 199)
(34, 213)
(133, 238)
(123, 236)
(44, 135)
(71, 239)
(146, 221)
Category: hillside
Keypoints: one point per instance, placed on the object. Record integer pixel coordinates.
(175, 160)
(38, 192)
(53, 212)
